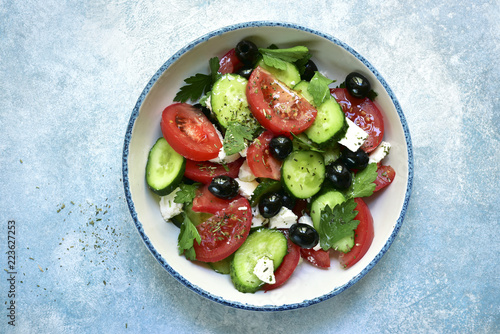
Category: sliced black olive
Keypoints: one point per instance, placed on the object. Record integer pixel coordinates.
(338, 174)
(270, 205)
(224, 187)
(245, 72)
(304, 235)
(309, 69)
(247, 52)
(281, 147)
(357, 85)
(354, 160)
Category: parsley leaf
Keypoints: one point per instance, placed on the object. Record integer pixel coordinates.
(187, 193)
(199, 83)
(318, 88)
(336, 224)
(301, 63)
(278, 58)
(362, 183)
(187, 236)
(234, 140)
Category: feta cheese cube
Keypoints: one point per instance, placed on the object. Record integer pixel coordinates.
(264, 270)
(354, 137)
(305, 219)
(245, 173)
(168, 207)
(284, 219)
(380, 152)
(257, 219)
(246, 188)
(243, 152)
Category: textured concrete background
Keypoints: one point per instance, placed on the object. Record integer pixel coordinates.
(70, 74)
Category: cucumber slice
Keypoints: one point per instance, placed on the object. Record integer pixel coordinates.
(344, 245)
(303, 173)
(223, 266)
(265, 186)
(289, 77)
(328, 197)
(302, 88)
(165, 168)
(262, 243)
(229, 101)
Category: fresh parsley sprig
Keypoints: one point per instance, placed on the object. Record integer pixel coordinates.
(187, 193)
(278, 58)
(337, 223)
(199, 83)
(186, 238)
(236, 134)
(363, 182)
(318, 88)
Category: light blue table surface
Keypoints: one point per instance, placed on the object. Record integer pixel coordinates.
(70, 75)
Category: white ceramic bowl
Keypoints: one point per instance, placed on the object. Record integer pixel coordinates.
(308, 285)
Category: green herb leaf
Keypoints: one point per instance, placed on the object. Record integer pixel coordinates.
(337, 223)
(302, 143)
(362, 183)
(318, 88)
(187, 193)
(199, 83)
(301, 63)
(187, 236)
(234, 140)
(278, 58)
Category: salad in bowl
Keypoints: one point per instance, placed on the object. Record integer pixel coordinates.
(269, 181)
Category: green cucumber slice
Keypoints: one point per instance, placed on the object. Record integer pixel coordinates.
(289, 77)
(223, 266)
(165, 168)
(229, 101)
(328, 197)
(303, 173)
(262, 243)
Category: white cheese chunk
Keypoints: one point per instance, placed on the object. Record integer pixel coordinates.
(264, 270)
(317, 247)
(257, 219)
(245, 173)
(243, 152)
(284, 219)
(354, 137)
(168, 207)
(380, 152)
(246, 189)
(305, 219)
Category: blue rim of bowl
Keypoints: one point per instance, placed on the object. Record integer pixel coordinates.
(138, 224)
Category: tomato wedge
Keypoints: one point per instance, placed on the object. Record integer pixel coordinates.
(385, 176)
(260, 160)
(363, 236)
(222, 234)
(277, 107)
(189, 132)
(365, 114)
(319, 258)
(287, 267)
(205, 171)
(205, 201)
(230, 63)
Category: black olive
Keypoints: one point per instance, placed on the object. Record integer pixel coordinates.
(338, 174)
(287, 200)
(245, 71)
(303, 235)
(281, 147)
(247, 52)
(357, 85)
(224, 187)
(354, 160)
(270, 205)
(309, 70)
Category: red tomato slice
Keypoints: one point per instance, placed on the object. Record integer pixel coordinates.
(205, 201)
(363, 236)
(260, 160)
(205, 171)
(277, 107)
(365, 114)
(189, 132)
(287, 267)
(229, 63)
(222, 234)
(319, 258)
(386, 175)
